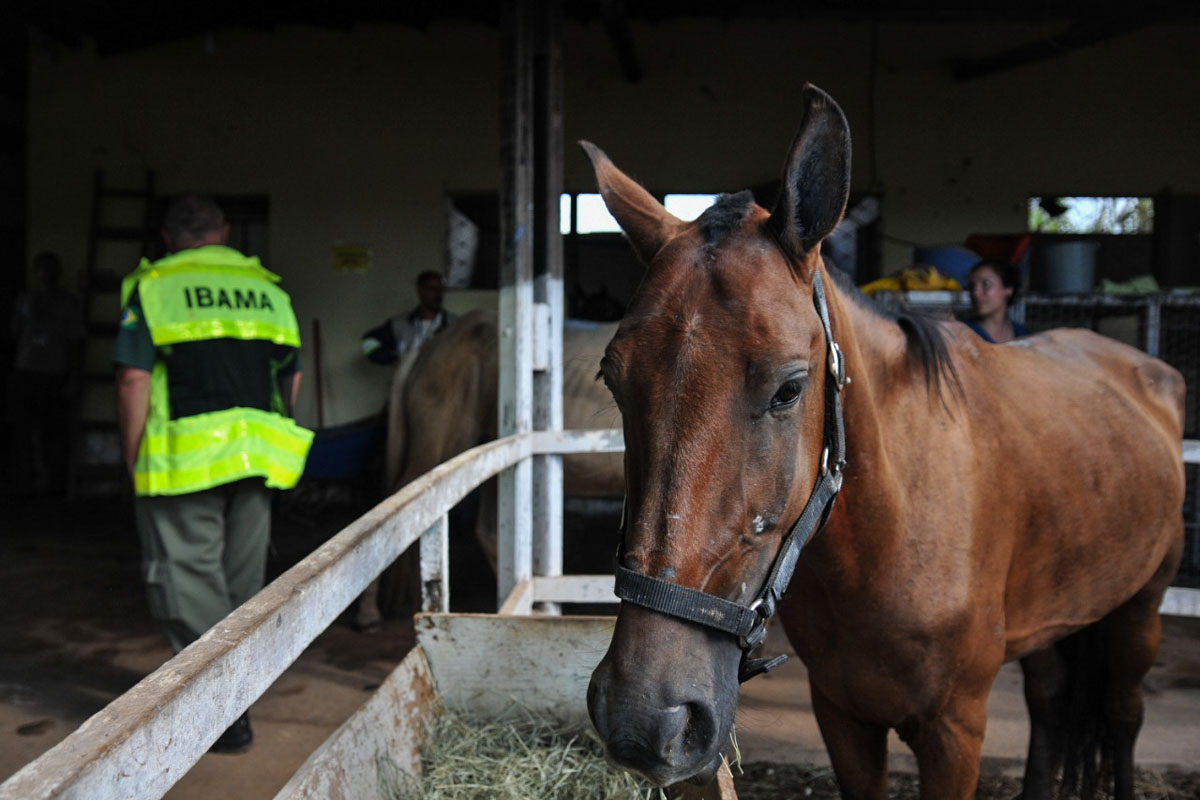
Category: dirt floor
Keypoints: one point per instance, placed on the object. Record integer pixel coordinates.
(785, 757)
(76, 635)
(764, 781)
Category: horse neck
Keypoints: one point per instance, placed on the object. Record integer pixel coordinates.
(879, 380)
(875, 354)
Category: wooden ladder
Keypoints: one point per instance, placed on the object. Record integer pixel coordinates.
(121, 231)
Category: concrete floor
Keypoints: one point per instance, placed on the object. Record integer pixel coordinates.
(76, 635)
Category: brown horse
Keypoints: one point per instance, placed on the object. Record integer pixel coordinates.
(443, 402)
(446, 403)
(997, 502)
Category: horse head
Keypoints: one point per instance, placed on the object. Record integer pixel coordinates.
(719, 369)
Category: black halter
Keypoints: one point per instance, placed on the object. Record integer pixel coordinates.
(749, 622)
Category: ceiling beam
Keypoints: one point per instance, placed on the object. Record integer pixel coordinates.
(616, 25)
(1076, 37)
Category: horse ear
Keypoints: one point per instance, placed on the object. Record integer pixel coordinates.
(816, 178)
(645, 221)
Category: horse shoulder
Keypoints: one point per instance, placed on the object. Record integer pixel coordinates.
(447, 402)
(587, 405)
(586, 402)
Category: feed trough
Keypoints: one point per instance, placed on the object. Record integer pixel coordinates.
(480, 666)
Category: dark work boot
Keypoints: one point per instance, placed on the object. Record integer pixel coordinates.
(236, 739)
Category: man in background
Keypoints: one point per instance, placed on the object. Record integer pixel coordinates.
(207, 376)
(388, 342)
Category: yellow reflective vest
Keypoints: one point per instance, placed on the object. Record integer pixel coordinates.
(213, 292)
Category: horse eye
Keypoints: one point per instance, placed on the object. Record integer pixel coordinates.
(787, 394)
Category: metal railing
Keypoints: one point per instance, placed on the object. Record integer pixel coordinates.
(140, 744)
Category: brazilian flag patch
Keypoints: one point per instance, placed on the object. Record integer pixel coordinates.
(129, 319)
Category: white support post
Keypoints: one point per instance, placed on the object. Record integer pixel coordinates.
(548, 290)
(515, 485)
(435, 567)
(547, 469)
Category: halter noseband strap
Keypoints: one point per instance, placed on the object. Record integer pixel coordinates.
(749, 622)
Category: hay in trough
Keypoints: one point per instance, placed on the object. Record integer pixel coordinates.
(522, 758)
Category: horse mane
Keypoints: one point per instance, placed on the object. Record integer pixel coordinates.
(924, 336)
(724, 216)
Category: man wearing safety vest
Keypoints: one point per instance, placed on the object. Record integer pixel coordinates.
(207, 374)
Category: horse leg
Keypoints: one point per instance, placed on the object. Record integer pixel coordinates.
(1135, 632)
(948, 746)
(857, 750)
(399, 592)
(485, 524)
(367, 618)
(1045, 680)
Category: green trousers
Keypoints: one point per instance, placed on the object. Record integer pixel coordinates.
(203, 554)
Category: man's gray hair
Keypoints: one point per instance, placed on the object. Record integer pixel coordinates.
(193, 216)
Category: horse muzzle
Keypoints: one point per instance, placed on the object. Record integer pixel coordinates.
(666, 715)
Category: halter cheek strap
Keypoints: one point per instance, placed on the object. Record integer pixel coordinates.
(749, 622)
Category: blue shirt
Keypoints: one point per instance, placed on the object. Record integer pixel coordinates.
(1019, 330)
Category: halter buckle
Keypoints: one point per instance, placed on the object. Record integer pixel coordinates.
(755, 636)
(837, 365)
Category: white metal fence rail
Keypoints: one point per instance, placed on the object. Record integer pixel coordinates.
(149, 737)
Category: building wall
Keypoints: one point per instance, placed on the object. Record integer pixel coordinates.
(358, 136)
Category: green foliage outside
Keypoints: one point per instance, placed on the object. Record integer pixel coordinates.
(1119, 215)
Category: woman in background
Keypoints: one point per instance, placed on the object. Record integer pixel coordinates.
(993, 286)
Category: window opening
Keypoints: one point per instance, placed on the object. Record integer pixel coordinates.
(1084, 215)
(564, 214)
(688, 206)
(591, 215)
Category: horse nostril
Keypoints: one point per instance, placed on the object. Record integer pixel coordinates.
(684, 733)
(700, 733)
(670, 736)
